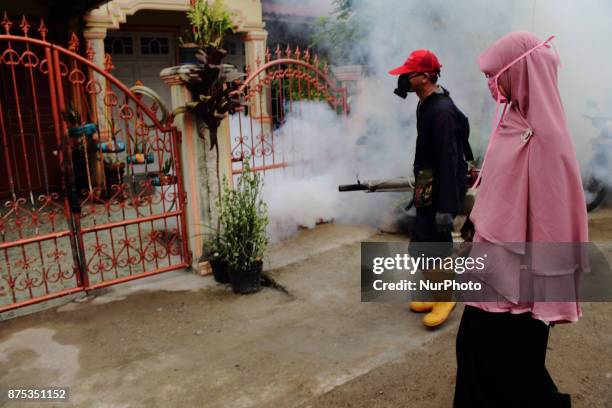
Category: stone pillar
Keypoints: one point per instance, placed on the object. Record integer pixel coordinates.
(95, 37)
(198, 164)
(349, 77)
(255, 47)
(255, 54)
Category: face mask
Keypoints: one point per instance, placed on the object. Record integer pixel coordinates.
(492, 82)
(494, 89)
(403, 86)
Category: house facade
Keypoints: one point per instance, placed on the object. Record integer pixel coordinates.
(143, 37)
(98, 188)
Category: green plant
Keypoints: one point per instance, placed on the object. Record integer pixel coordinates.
(217, 247)
(187, 38)
(211, 100)
(210, 22)
(167, 167)
(298, 87)
(244, 219)
(338, 35)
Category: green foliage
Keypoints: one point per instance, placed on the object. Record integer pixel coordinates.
(244, 218)
(216, 246)
(167, 166)
(339, 35)
(299, 89)
(211, 100)
(210, 22)
(296, 90)
(343, 8)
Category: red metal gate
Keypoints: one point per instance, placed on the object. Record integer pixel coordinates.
(91, 186)
(269, 94)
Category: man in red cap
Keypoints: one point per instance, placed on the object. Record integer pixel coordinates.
(440, 170)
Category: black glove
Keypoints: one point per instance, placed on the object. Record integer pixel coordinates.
(444, 223)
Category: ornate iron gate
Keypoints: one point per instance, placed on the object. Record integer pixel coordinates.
(91, 184)
(269, 94)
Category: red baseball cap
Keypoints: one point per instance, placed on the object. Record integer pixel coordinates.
(418, 61)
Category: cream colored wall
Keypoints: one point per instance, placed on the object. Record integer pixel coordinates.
(234, 44)
(247, 12)
(250, 12)
(159, 17)
(178, 19)
(110, 16)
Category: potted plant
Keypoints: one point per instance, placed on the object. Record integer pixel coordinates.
(108, 142)
(112, 146)
(244, 222)
(87, 165)
(215, 252)
(76, 128)
(188, 48)
(163, 177)
(138, 157)
(212, 99)
(209, 24)
(218, 258)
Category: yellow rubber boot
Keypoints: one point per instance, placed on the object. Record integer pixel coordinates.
(439, 314)
(420, 307)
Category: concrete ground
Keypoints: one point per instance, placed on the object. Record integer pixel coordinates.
(180, 340)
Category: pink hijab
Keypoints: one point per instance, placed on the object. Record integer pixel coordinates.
(531, 190)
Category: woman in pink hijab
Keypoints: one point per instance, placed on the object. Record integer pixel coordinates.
(530, 193)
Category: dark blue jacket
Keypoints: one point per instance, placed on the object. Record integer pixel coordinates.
(442, 139)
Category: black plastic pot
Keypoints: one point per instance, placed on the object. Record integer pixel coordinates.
(248, 281)
(187, 53)
(214, 55)
(220, 270)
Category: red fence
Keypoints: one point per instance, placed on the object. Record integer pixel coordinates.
(91, 186)
(269, 95)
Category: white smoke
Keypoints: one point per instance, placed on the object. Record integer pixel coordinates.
(582, 32)
(324, 154)
(378, 139)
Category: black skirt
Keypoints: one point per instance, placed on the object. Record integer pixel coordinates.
(501, 362)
